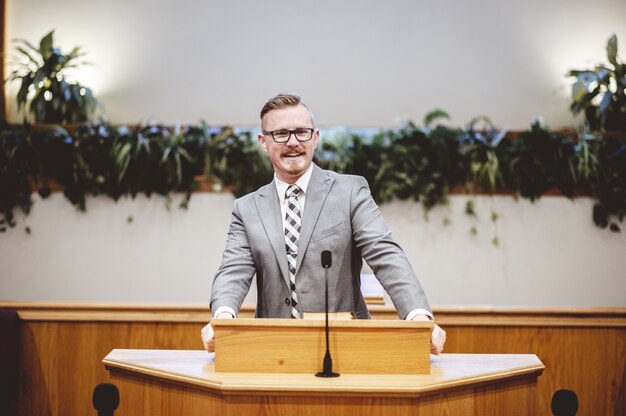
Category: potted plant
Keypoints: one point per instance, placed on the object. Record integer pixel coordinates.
(42, 75)
(601, 92)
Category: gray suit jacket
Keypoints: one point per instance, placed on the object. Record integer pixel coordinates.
(339, 215)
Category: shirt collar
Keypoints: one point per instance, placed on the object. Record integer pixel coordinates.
(302, 182)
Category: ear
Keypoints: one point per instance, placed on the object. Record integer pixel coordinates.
(316, 137)
(262, 141)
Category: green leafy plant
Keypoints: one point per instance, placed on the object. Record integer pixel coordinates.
(235, 160)
(420, 163)
(609, 188)
(144, 159)
(359, 154)
(44, 87)
(601, 92)
(16, 165)
(539, 160)
(426, 163)
(481, 144)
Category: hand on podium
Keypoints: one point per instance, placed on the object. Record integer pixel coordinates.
(437, 336)
(208, 335)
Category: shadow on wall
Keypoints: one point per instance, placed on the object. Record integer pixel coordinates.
(31, 377)
(9, 359)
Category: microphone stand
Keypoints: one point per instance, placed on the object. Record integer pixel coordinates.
(328, 361)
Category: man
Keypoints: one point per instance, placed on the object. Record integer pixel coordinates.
(280, 231)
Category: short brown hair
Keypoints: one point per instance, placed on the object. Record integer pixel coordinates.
(282, 101)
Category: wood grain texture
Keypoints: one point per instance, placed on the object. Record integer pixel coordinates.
(292, 346)
(465, 316)
(450, 372)
(461, 383)
(60, 360)
(589, 361)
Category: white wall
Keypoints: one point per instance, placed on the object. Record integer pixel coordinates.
(356, 62)
(550, 252)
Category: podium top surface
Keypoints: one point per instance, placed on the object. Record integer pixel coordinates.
(196, 368)
(320, 322)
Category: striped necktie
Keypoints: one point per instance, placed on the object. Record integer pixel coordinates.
(292, 234)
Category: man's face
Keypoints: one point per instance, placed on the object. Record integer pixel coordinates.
(292, 158)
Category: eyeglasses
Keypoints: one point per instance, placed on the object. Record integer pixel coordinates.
(302, 134)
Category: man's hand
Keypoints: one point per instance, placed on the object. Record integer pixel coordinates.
(437, 336)
(207, 334)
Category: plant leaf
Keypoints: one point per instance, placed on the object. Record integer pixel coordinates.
(23, 92)
(28, 55)
(604, 105)
(435, 115)
(46, 45)
(26, 43)
(611, 49)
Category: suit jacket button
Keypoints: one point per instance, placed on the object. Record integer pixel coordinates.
(287, 301)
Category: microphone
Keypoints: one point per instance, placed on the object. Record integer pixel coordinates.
(327, 261)
(106, 398)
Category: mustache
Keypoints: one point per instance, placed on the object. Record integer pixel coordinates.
(293, 151)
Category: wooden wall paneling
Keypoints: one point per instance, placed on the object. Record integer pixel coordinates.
(61, 351)
(61, 362)
(589, 361)
(155, 397)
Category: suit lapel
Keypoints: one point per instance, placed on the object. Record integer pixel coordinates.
(267, 204)
(317, 191)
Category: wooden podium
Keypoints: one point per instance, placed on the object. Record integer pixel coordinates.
(359, 346)
(165, 382)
